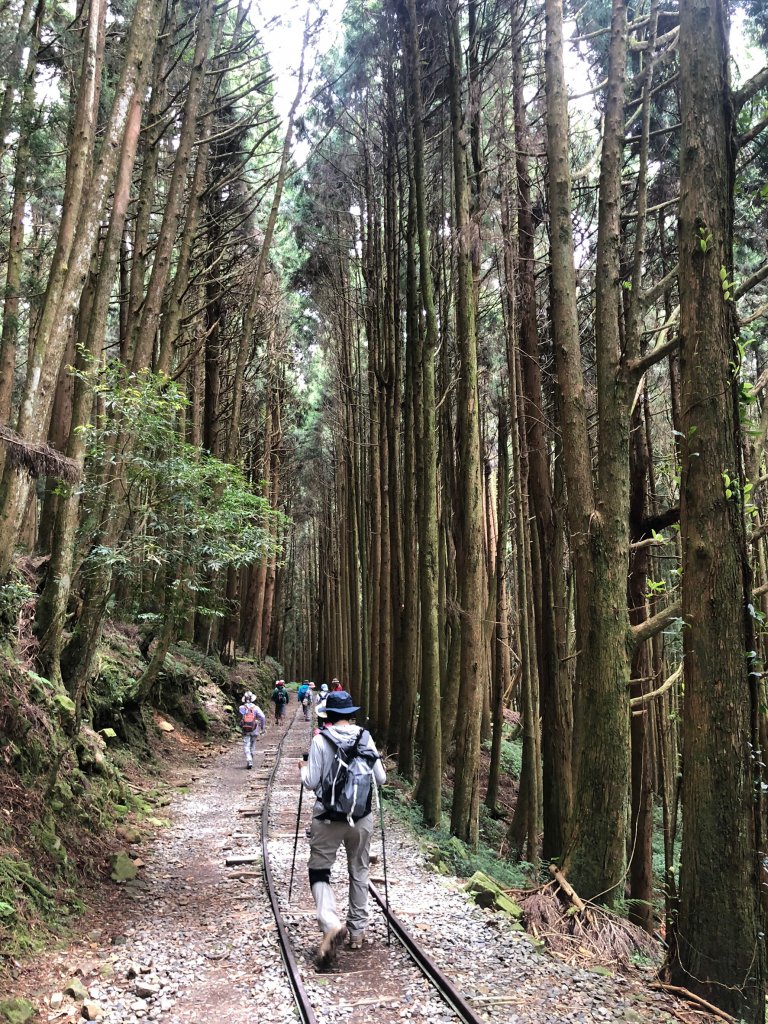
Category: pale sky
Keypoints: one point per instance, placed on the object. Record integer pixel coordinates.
(281, 24)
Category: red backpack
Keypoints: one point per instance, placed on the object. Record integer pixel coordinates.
(249, 719)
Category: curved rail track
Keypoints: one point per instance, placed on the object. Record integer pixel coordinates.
(384, 978)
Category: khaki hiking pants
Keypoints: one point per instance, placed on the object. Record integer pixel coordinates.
(325, 838)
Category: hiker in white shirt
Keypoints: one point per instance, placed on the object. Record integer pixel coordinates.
(252, 723)
(330, 828)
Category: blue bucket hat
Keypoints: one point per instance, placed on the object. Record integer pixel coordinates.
(339, 703)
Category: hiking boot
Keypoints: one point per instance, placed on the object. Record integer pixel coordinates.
(332, 939)
(249, 765)
(356, 941)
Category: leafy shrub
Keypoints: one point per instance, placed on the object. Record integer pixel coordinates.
(13, 596)
(445, 852)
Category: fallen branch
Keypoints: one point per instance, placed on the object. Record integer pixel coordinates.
(567, 888)
(38, 459)
(684, 993)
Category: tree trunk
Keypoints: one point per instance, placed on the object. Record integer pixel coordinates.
(410, 654)
(501, 673)
(68, 274)
(549, 586)
(429, 787)
(595, 855)
(721, 956)
(15, 253)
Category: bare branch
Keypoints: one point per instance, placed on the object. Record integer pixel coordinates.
(668, 683)
(751, 282)
(643, 631)
(655, 355)
(748, 90)
(752, 133)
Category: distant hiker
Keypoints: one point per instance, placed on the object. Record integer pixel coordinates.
(252, 722)
(322, 720)
(279, 698)
(303, 697)
(336, 686)
(323, 693)
(343, 763)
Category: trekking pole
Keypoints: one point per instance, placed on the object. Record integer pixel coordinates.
(380, 801)
(296, 839)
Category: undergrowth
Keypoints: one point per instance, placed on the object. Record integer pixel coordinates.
(445, 852)
(66, 788)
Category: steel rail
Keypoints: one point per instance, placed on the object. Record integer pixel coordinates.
(443, 985)
(300, 996)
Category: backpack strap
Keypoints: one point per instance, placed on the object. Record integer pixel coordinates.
(325, 736)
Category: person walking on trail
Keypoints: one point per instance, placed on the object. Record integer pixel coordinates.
(303, 698)
(323, 693)
(336, 686)
(342, 767)
(279, 698)
(252, 723)
(322, 721)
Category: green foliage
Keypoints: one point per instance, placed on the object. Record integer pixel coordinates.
(209, 664)
(446, 853)
(16, 1011)
(14, 594)
(705, 239)
(188, 514)
(726, 285)
(512, 757)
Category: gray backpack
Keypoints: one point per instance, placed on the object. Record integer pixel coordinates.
(346, 788)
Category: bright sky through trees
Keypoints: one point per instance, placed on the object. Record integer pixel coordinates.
(281, 23)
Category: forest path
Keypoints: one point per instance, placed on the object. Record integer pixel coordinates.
(192, 941)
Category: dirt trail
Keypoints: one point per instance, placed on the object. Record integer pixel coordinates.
(191, 940)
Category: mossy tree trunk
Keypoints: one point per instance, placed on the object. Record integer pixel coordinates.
(472, 589)
(719, 953)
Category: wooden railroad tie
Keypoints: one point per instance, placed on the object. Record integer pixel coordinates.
(235, 859)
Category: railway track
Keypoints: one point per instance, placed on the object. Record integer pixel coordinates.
(395, 980)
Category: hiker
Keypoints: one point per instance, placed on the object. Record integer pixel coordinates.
(279, 699)
(252, 722)
(336, 686)
(303, 698)
(322, 720)
(342, 814)
(323, 693)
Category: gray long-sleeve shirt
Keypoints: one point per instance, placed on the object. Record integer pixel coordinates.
(321, 755)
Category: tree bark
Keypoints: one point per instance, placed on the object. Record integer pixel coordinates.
(719, 956)
(472, 591)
